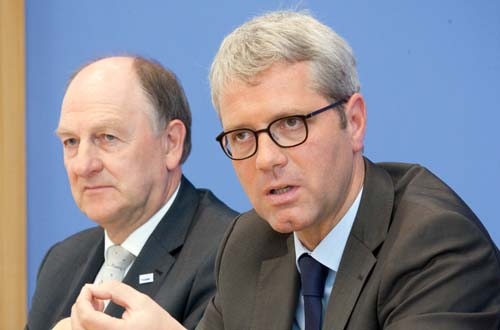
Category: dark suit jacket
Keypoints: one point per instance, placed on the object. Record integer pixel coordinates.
(180, 252)
(417, 258)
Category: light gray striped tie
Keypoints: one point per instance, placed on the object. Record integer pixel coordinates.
(117, 261)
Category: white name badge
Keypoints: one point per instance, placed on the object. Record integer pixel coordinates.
(146, 278)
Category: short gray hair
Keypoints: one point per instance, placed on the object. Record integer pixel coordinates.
(165, 92)
(290, 37)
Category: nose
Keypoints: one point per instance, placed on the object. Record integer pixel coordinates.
(269, 155)
(86, 160)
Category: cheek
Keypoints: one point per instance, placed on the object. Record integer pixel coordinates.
(72, 177)
(324, 160)
(141, 157)
(150, 168)
(67, 164)
(246, 174)
(330, 146)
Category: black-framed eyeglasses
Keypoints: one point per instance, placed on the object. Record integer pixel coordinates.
(286, 132)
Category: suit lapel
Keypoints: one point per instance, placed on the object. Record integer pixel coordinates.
(155, 258)
(277, 290)
(158, 254)
(357, 262)
(157, 262)
(85, 271)
(368, 232)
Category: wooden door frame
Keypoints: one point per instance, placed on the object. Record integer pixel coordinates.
(12, 165)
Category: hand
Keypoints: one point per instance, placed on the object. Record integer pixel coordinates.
(64, 324)
(141, 312)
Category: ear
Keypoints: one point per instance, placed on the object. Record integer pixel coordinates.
(173, 142)
(356, 121)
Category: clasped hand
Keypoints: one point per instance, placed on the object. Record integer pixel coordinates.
(141, 312)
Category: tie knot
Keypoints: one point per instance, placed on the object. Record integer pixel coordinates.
(117, 256)
(312, 275)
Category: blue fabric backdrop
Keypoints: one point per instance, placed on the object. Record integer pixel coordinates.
(429, 71)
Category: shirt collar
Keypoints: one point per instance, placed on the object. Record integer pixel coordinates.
(136, 240)
(329, 251)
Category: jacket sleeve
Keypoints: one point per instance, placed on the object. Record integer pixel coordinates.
(444, 273)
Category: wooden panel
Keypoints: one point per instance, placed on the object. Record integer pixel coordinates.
(12, 166)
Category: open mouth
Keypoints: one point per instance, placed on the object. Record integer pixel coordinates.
(280, 190)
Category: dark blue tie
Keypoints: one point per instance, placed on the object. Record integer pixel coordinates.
(313, 276)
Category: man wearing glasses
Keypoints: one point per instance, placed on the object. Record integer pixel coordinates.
(334, 240)
(286, 132)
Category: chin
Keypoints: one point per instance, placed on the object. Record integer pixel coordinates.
(98, 216)
(282, 227)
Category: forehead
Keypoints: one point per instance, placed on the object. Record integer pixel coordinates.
(104, 92)
(282, 90)
(106, 81)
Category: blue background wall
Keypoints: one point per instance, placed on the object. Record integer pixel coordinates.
(429, 71)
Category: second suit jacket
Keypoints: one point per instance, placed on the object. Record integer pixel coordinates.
(180, 253)
(416, 258)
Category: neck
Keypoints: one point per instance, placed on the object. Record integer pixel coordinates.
(310, 237)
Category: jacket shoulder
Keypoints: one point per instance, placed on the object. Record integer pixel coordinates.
(75, 245)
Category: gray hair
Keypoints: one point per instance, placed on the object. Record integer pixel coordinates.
(165, 92)
(285, 36)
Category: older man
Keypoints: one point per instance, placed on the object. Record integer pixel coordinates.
(125, 131)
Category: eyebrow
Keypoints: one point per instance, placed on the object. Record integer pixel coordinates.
(61, 132)
(283, 113)
(100, 126)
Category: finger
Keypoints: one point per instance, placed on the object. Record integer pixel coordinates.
(120, 293)
(64, 324)
(88, 299)
(75, 321)
(87, 312)
(95, 292)
(84, 317)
